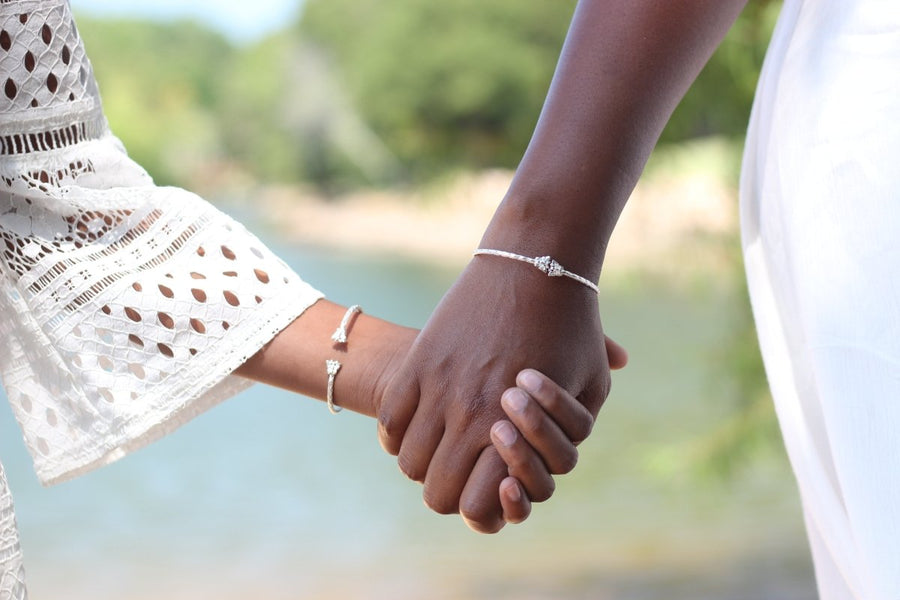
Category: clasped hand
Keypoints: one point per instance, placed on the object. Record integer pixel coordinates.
(442, 415)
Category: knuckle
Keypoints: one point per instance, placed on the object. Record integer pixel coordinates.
(442, 504)
(544, 492)
(411, 467)
(566, 463)
(582, 429)
(480, 517)
(389, 432)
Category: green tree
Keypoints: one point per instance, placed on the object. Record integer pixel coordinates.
(162, 87)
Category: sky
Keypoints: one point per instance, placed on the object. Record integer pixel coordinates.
(240, 20)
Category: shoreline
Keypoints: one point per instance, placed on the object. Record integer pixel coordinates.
(681, 221)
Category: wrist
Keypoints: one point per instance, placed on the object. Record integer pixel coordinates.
(534, 227)
(373, 353)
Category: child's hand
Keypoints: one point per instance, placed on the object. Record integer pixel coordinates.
(546, 423)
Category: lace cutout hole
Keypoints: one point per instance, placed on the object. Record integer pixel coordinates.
(201, 251)
(52, 83)
(107, 395)
(132, 314)
(135, 340)
(261, 275)
(231, 298)
(137, 370)
(66, 55)
(165, 291)
(46, 34)
(43, 446)
(256, 252)
(167, 321)
(25, 403)
(106, 309)
(228, 253)
(226, 325)
(29, 61)
(106, 363)
(10, 89)
(199, 295)
(165, 351)
(5, 40)
(52, 421)
(195, 275)
(198, 326)
(230, 273)
(137, 286)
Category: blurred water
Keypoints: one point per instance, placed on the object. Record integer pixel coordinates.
(269, 496)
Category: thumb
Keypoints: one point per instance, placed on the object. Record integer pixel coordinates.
(616, 354)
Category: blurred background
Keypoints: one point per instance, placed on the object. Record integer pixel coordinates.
(368, 142)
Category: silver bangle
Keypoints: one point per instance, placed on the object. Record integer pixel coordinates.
(544, 263)
(332, 367)
(340, 334)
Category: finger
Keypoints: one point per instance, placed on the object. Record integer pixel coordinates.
(540, 435)
(479, 505)
(616, 355)
(448, 472)
(522, 461)
(515, 503)
(570, 415)
(396, 411)
(419, 444)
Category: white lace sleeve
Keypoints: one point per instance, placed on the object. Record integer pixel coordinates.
(124, 307)
(12, 573)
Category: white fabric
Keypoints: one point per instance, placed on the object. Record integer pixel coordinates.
(821, 231)
(124, 307)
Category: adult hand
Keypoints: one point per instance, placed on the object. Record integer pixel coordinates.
(499, 317)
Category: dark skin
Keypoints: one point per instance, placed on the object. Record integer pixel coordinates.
(624, 67)
(295, 360)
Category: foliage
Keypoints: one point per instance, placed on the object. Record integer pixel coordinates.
(162, 86)
(444, 83)
(461, 82)
(719, 101)
(370, 91)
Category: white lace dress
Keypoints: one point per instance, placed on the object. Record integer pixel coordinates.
(124, 307)
(820, 210)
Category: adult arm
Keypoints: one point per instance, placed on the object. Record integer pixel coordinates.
(624, 67)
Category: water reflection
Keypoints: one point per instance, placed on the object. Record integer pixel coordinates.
(270, 496)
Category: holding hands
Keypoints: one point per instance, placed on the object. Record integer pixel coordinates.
(441, 410)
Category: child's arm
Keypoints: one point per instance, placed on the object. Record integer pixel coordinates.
(295, 360)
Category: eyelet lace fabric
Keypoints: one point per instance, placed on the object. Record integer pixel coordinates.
(124, 307)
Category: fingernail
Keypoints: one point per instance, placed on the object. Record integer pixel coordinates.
(530, 381)
(515, 400)
(513, 492)
(505, 433)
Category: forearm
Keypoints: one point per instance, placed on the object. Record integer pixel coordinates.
(295, 358)
(624, 67)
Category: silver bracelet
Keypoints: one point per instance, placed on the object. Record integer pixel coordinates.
(340, 334)
(544, 263)
(332, 367)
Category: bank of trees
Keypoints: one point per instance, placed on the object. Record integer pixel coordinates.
(370, 91)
